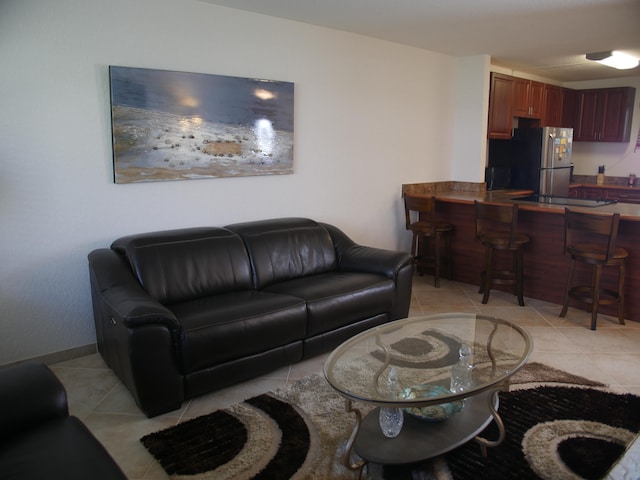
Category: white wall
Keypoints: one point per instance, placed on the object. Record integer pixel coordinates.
(369, 116)
(619, 159)
(470, 118)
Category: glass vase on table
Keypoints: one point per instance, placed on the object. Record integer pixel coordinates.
(462, 370)
(391, 419)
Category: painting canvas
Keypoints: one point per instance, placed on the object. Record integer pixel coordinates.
(174, 125)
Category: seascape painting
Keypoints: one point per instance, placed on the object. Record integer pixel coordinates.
(175, 126)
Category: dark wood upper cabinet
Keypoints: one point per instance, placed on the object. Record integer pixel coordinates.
(528, 98)
(569, 100)
(500, 106)
(553, 103)
(559, 107)
(596, 115)
(587, 121)
(604, 115)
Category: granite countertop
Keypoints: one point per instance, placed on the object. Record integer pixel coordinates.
(469, 192)
(627, 211)
(628, 188)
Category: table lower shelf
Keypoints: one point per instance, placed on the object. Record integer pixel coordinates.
(420, 440)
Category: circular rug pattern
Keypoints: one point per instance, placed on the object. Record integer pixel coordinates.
(430, 349)
(300, 432)
(573, 449)
(197, 453)
(253, 439)
(604, 415)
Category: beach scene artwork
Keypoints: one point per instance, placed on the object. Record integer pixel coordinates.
(177, 126)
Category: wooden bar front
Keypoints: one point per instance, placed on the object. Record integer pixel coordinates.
(545, 266)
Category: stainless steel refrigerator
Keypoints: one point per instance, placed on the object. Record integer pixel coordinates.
(539, 159)
(542, 160)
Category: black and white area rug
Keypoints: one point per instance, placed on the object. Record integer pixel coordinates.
(559, 426)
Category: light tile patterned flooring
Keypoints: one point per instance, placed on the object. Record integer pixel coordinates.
(610, 354)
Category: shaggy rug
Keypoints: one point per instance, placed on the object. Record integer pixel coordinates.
(558, 426)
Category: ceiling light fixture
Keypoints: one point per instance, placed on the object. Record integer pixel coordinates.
(614, 59)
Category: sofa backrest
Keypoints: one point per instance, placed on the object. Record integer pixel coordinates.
(178, 265)
(286, 248)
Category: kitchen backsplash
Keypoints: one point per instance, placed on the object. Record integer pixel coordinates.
(592, 179)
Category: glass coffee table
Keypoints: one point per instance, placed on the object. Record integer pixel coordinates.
(443, 371)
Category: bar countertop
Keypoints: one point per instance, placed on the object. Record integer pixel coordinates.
(627, 211)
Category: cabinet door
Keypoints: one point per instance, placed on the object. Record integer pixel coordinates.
(586, 129)
(536, 97)
(594, 193)
(527, 98)
(521, 97)
(500, 106)
(569, 100)
(617, 108)
(624, 195)
(553, 97)
(604, 115)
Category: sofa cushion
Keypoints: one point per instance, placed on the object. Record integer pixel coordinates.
(336, 299)
(286, 248)
(225, 327)
(61, 448)
(179, 265)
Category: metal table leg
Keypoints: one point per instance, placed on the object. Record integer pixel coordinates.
(353, 465)
(484, 443)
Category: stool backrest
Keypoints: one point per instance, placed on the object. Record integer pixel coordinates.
(419, 206)
(492, 218)
(595, 229)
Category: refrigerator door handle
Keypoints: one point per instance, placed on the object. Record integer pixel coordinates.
(551, 163)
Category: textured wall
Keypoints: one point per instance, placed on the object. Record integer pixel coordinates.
(369, 116)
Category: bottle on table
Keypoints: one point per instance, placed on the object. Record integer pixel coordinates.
(391, 419)
(462, 370)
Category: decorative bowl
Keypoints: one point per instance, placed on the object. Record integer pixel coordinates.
(432, 413)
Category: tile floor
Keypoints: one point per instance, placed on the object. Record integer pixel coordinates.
(611, 355)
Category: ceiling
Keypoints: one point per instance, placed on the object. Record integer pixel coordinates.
(547, 38)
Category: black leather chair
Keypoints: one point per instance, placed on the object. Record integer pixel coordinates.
(38, 438)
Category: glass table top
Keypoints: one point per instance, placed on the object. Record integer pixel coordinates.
(412, 362)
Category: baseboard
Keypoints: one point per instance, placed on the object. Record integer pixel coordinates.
(62, 356)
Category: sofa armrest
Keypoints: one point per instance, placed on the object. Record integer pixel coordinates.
(136, 335)
(359, 258)
(30, 394)
(134, 308)
(113, 281)
(374, 260)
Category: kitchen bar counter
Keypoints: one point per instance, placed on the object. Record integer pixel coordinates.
(546, 267)
(627, 211)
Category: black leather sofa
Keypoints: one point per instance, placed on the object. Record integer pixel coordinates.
(38, 437)
(184, 312)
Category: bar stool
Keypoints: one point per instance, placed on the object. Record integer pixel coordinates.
(590, 238)
(425, 226)
(496, 230)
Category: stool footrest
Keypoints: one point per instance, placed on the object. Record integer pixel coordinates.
(583, 293)
(504, 277)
